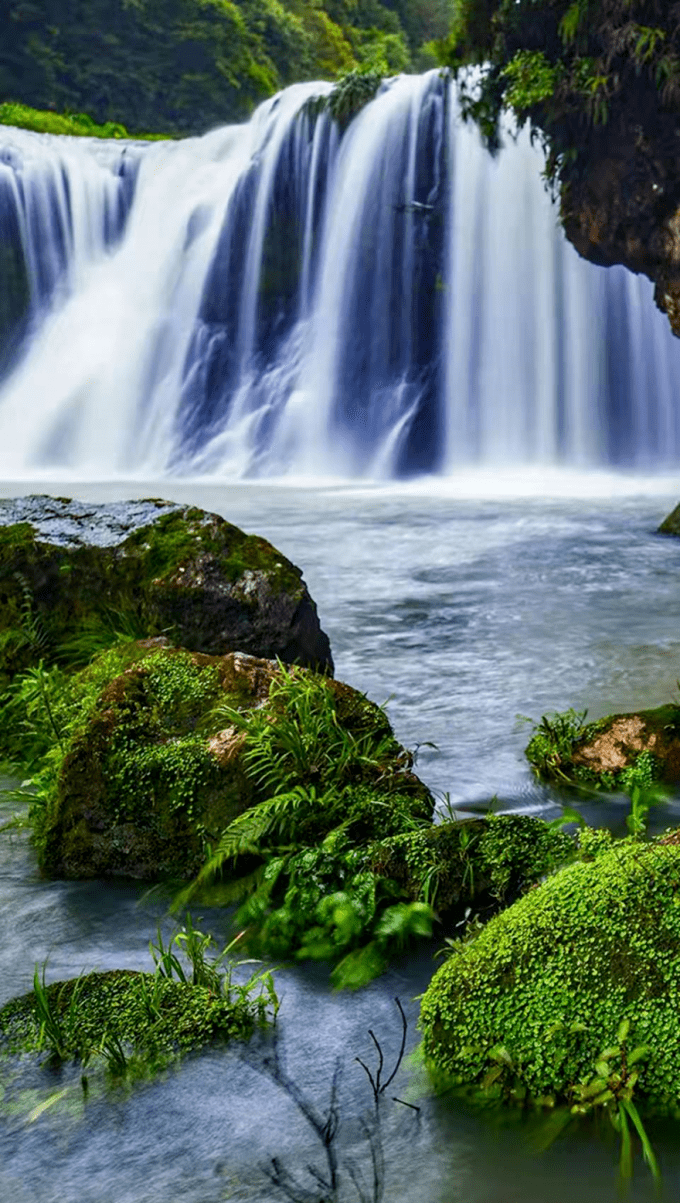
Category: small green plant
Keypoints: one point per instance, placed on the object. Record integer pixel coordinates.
(611, 1087)
(352, 92)
(58, 1025)
(642, 798)
(552, 740)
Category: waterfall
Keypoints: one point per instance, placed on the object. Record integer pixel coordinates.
(292, 297)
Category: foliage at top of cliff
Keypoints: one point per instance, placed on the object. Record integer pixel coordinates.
(563, 65)
(184, 66)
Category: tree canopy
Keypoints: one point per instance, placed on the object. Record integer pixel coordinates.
(182, 66)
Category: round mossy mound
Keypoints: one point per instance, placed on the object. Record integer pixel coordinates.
(542, 990)
(157, 1015)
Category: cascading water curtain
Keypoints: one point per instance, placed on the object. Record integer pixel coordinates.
(289, 297)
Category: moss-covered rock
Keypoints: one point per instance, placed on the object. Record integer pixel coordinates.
(474, 863)
(158, 1016)
(66, 566)
(671, 524)
(542, 990)
(150, 759)
(619, 751)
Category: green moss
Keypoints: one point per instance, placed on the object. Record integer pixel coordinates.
(112, 1006)
(549, 980)
(180, 538)
(129, 739)
(560, 745)
(480, 861)
(64, 604)
(74, 124)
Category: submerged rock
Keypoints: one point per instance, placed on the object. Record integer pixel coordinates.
(152, 566)
(154, 764)
(529, 1004)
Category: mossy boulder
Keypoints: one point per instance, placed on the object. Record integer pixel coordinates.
(151, 768)
(619, 751)
(68, 566)
(482, 863)
(158, 1016)
(671, 524)
(532, 1001)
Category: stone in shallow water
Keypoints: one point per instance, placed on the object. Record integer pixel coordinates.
(164, 568)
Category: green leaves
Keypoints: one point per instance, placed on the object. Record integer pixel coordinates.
(532, 79)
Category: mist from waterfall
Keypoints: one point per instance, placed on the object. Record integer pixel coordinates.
(289, 298)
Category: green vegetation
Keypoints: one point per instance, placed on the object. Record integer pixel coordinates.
(306, 805)
(621, 752)
(566, 66)
(141, 1020)
(535, 1001)
(62, 604)
(75, 124)
(121, 739)
(339, 860)
(183, 66)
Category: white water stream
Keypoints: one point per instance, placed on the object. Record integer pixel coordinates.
(284, 298)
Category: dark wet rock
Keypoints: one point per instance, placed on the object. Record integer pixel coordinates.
(151, 565)
(621, 203)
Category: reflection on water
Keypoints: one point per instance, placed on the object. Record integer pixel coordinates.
(464, 613)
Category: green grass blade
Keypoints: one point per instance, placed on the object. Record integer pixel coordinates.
(647, 1150)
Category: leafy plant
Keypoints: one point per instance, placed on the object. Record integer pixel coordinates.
(552, 740)
(58, 1025)
(352, 92)
(611, 1087)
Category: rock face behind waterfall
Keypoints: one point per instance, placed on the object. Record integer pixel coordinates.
(152, 567)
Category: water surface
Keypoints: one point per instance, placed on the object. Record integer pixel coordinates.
(463, 613)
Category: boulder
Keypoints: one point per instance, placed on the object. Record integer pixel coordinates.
(151, 566)
(671, 524)
(472, 863)
(153, 761)
(583, 968)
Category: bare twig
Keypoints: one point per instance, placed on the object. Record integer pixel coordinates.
(400, 1058)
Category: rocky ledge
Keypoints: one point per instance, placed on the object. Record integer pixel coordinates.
(622, 204)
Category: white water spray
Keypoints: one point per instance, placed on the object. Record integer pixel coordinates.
(285, 297)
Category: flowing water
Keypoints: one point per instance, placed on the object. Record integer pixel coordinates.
(463, 611)
(286, 300)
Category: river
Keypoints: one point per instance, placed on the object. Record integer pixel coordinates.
(462, 605)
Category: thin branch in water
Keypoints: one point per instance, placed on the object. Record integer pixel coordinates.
(405, 1104)
(400, 1058)
(370, 1077)
(381, 1059)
